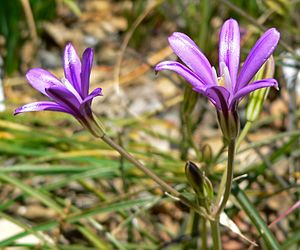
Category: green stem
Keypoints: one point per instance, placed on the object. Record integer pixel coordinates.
(229, 177)
(153, 176)
(203, 234)
(243, 134)
(221, 188)
(193, 244)
(215, 231)
(195, 225)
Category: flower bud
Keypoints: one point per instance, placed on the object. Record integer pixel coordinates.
(206, 153)
(199, 182)
(230, 124)
(258, 97)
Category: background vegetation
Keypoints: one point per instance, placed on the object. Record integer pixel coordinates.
(70, 191)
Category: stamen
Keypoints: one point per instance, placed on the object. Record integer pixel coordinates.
(227, 78)
(221, 81)
(214, 75)
(224, 79)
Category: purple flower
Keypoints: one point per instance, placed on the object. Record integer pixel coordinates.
(228, 87)
(69, 95)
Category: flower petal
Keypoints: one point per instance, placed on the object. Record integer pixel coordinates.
(72, 67)
(261, 51)
(229, 49)
(85, 106)
(86, 67)
(91, 96)
(38, 106)
(219, 96)
(41, 79)
(270, 82)
(191, 55)
(182, 70)
(64, 98)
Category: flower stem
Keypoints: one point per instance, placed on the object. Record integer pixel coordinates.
(229, 177)
(154, 177)
(215, 231)
(195, 231)
(203, 234)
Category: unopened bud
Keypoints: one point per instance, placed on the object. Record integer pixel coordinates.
(230, 124)
(206, 153)
(199, 182)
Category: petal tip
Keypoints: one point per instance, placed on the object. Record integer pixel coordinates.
(32, 73)
(88, 51)
(70, 50)
(274, 33)
(69, 45)
(175, 36)
(17, 111)
(172, 37)
(100, 91)
(230, 21)
(158, 67)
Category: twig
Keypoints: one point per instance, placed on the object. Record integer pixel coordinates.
(30, 20)
(257, 24)
(128, 35)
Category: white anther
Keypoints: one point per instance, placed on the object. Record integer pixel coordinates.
(225, 75)
(214, 75)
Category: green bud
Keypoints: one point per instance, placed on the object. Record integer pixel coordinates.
(258, 97)
(206, 153)
(199, 182)
(229, 124)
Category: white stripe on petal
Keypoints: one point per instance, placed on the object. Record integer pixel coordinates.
(71, 88)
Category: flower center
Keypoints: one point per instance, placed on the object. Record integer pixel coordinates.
(224, 79)
(221, 81)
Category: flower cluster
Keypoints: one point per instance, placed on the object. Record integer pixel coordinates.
(224, 90)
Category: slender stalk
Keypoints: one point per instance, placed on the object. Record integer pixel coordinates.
(203, 234)
(154, 177)
(137, 163)
(229, 177)
(195, 231)
(221, 188)
(243, 134)
(30, 20)
(215, 231)
(195, 225)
